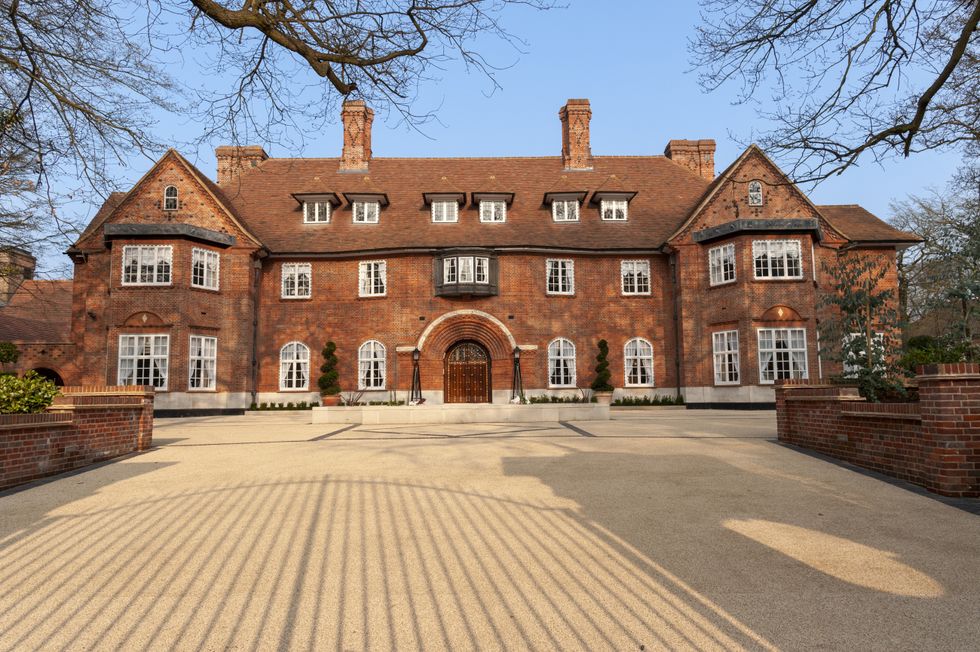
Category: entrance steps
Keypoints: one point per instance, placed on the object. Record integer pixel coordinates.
(461, 413)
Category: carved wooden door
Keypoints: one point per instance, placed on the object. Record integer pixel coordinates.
(467, 378)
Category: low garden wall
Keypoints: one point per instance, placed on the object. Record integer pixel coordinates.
(934, 443)
(84, 425)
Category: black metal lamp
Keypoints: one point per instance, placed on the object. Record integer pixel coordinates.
(416, 395)
(517, 390)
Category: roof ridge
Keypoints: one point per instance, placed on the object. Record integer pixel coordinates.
(461, 158)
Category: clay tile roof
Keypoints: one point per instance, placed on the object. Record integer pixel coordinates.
(39, 311)
(861, 226)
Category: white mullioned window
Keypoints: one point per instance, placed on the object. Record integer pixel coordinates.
(493, 210)
(561, 363)
(449, 271)
(481, 269)
(721, 264)
(371, 365)
(614, 210)
(372, 278)
(144, 360)
(297, 280)
(366, 212)
(782, 354)
(777, 259)
(638, 356)
(205, 266)
(445, 211)
(755, 193)
(294, 367)
(560, 276)
(635, 276)
(564, 210)
(203, 363)
(724, 345)
(316, 212)
(170, 198)
(147, 264)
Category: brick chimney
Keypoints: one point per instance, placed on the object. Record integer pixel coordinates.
(235, 159)
(16, 266)
(357, 118)
(576, 152)
(698, 156)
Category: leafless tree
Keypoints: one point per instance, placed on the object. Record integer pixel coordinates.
(842, 79)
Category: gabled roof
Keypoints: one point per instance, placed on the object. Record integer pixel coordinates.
(861, 226)
(39, 311)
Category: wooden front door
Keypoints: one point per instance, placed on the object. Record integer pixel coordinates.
(467, 378)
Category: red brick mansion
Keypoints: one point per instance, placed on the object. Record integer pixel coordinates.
(221, 294)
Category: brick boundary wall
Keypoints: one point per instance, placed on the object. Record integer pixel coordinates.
(84, 425)
(934, 443)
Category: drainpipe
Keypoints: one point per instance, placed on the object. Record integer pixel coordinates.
(677, 330)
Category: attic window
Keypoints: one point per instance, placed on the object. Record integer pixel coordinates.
(493, 210)
(614, 210)
(564, 210)
(366, 212)
(316, 211)
(170, 198)
(755, 193)
(445, 211)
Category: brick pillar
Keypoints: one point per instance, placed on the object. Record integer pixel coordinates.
(144, 435)
(949, 401)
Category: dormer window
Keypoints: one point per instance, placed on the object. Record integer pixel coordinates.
(614, 209)
(445, 211)
(755, 193)
(613, 201)
(316, 212)
(366, 212)
(170, 198)
(564, 210)
(493, 210)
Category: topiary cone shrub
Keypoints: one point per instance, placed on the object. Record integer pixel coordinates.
(602, 376)
(328, 377)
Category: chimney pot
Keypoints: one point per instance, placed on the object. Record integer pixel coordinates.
(357, 119)
(576, 151)
(233, 160)
(698, 156)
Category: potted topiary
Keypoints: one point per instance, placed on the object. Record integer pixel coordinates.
(329, 387)
(602, 388)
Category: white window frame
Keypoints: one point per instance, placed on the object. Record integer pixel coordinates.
(372, 365)
(369, 272)
(366, 212)
(726, 358)
(782, 250)
(637, 269)
(755, 189)
(635, 359)
(316, 212)
(562, 264)
(613, 206)
(481, 264)
(445, 211)
(878, 341)
(158, 362)
(450, 271)
(167, 198)
(561, 351)
(205, 256)
(717, 271)
(294, 271)
(565, 204)
(205, 354)
(793, 366)
(495, 208)
(141, 253)
(294, 359)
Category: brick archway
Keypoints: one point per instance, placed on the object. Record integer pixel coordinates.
(473, 325)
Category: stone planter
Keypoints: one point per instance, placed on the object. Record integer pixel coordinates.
(332, 400)
(603, 398)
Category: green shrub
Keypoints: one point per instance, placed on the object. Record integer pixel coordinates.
(32, 393)
(263, 406)
(253, 406)
(327, 382)
(646, 400)
(602, 375)
(8, 353)
(289, 406)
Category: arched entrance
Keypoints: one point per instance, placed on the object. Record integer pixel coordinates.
(51, 375)
(467, 373)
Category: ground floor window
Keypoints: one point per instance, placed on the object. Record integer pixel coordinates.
(561, 363)
(725, 349)
(144, 359)
(782, 354)
(371, 365)
(639, 363)
(294, 366)
(203, 362)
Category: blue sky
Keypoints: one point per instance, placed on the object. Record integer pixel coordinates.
(629, 58)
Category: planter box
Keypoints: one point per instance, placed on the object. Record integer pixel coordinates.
(461, 413)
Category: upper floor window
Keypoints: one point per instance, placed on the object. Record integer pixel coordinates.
(614, 209)
(639, 363)
(371, 365)
(445, 211)
(635, 276)
(204, 268)
(782, 354)
(777, 259)
(366, 212)
(724, 346)
(492, 210)
(147, 264)
(755, 193)
(144, 360)
(561, 277)
(561, 363)
(564, 210)
(203, 362)
(294, 366)
(170, 198)
(466, 269)
(373, 278)
(721, 264)
(297, 280)
(316, 211)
